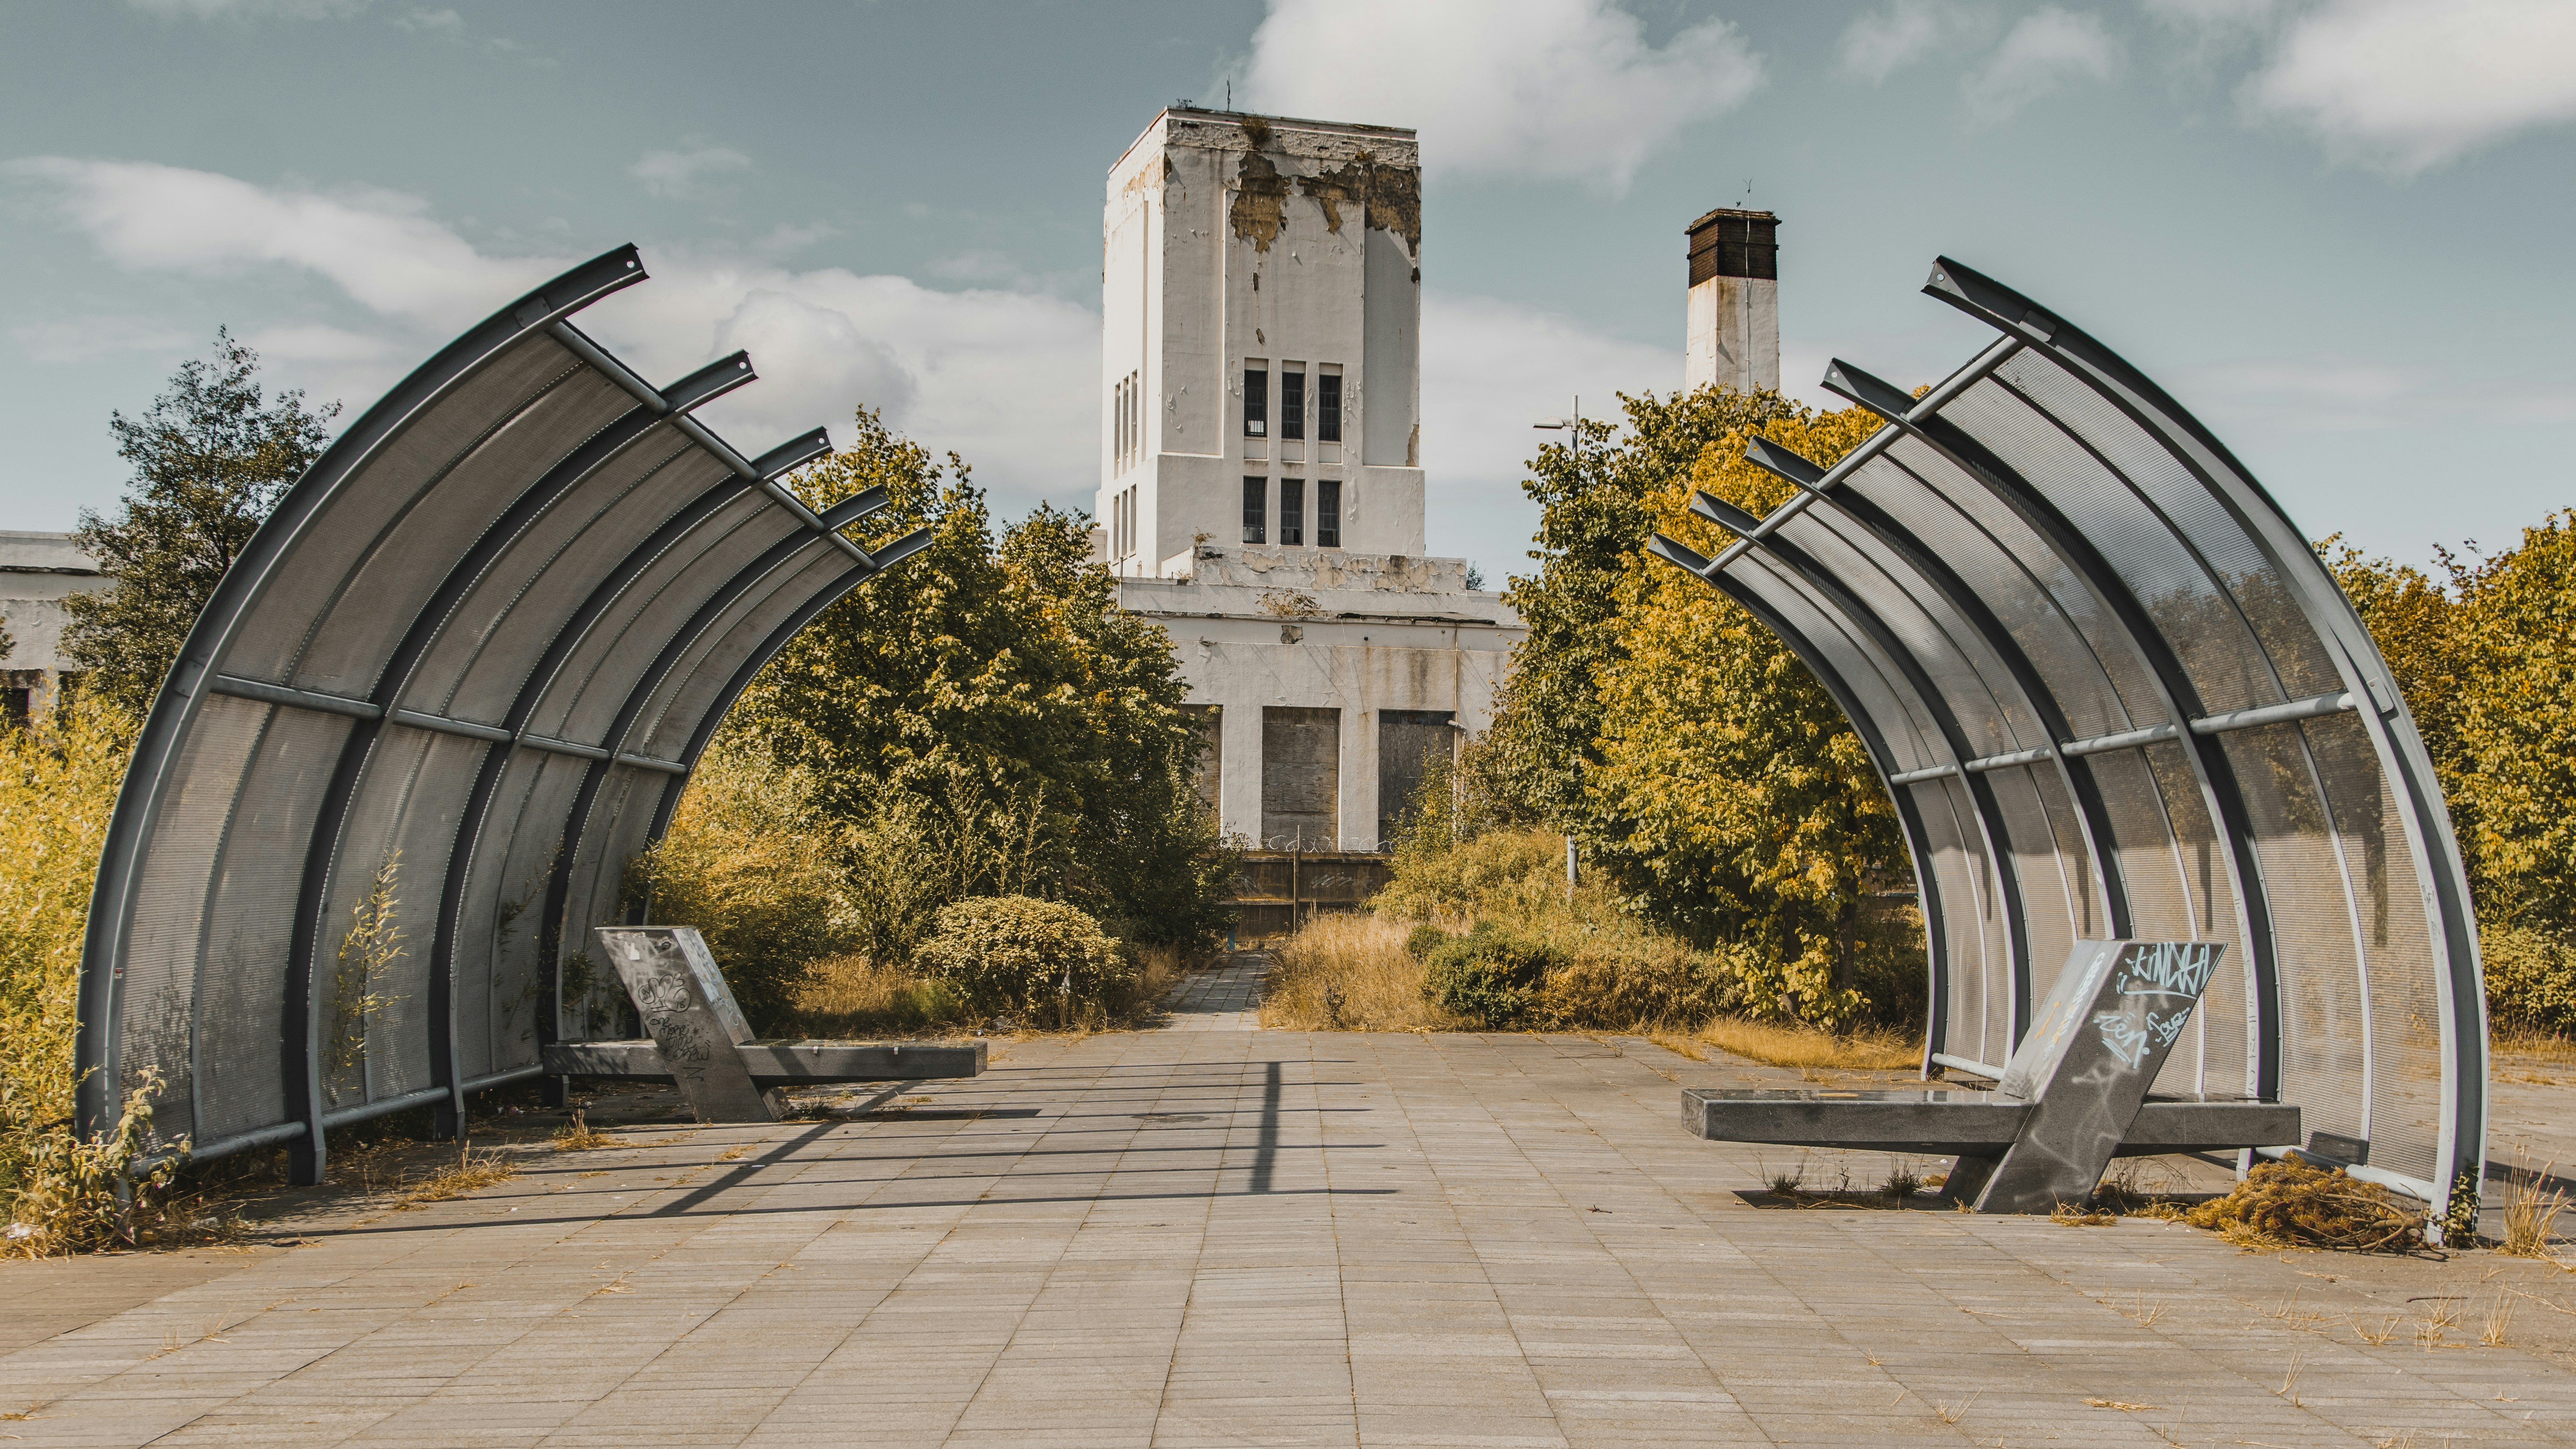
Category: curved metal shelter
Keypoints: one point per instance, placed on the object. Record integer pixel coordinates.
(2113, 693)
(456, 681)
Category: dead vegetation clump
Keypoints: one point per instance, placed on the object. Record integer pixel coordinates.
(2293, 1205)
(2530, 1214)
(579, 1136)
(469, 1173)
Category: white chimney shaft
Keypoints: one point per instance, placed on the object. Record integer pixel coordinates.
(1733, 336)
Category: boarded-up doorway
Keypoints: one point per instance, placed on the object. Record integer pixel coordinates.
(1209, 774)
(1301, 779)
(1409, 743)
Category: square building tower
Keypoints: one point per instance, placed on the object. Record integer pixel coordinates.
(1261, 477)
(1261, 350)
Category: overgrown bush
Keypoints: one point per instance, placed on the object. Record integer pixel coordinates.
(1016, 953)
(58, 782)
(2531, 981)
(75, 1195)
(759, 870)
(1491, 976)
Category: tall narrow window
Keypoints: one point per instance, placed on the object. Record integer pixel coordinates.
(1328, 408)
(1328, 509)
(1118, 426)
(1292, 404)
(1292, 511)
(1256, 402)
(1256, 512)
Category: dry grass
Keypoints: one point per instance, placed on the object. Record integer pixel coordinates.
(2293, 1205)
(846, 996)
(468, 1173)
(2547, 1047)
(1349, 973)
(579, 1136)
(2530, 1215)
(852, 996)
(1352, 973)
(1790, 1045)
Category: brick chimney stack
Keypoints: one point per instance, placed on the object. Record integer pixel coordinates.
(1734, 328)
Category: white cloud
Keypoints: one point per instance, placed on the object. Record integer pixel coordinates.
(78, 339)
(2220, 16)
(2038, 57)
(1564, 89)
(432, 22)
(1880, 43)
(373, 244)
(2337, 395)
(1490, 369)
(251, 9)
(1005, 378)
(679, 175)
(2406, 85)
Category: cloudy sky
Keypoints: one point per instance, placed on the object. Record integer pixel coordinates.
(2337, 229)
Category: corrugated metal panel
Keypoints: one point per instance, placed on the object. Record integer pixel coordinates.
(457, 599)
(2048, 533)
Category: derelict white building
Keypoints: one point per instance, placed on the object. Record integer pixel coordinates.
(1261, 467)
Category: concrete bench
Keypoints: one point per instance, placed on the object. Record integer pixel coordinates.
(2073, 1097)
(701, 1042)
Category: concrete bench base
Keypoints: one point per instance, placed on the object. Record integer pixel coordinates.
(2073, 1097)
(779, 1062)
(1966, 1124)
(701, 1044)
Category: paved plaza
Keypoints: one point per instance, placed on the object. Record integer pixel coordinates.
(1219, 1235)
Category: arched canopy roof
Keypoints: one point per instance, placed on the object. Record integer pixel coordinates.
(2113, 693)
(456, 681)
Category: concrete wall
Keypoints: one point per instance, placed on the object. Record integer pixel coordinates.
(1734, 334)
(1230, 239)
(1253, 634)
(37, 572)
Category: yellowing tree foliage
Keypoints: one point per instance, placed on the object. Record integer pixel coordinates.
(2487, 658)
(1731, 795)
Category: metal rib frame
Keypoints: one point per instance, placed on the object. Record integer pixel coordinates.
(1992, 828)
(152, 772)
(376, 553)
(2369, 689)
(2389, 723)
(2214, 774)
(1909, 816)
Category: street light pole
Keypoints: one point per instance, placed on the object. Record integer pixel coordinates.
(1573, 424)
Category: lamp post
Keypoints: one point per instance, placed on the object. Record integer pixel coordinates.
(1572, 423)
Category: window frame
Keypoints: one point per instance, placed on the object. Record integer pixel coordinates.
(1256, 400)
(1256, 509)
(1292, 513)
(1328, 513)
(1328, 405)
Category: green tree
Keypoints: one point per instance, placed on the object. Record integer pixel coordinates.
(1730, 798)
(1001, 671)
(211, 457)
(1593, 517)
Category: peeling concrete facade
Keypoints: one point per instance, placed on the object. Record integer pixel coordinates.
(1261, 467)
(37, 572)
(1387, 646)
(1232, 241)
